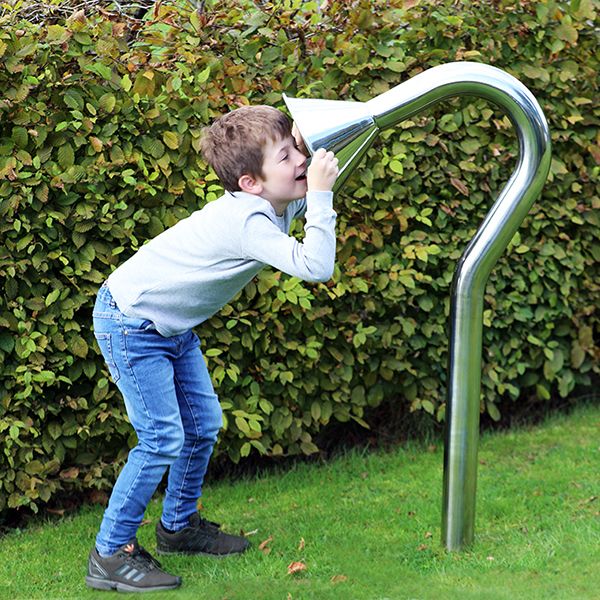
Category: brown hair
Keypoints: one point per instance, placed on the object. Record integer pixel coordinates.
(233, 145)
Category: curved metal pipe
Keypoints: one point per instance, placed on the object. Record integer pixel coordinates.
(475, 265)
(349, 128)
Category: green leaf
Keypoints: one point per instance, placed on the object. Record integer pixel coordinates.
(7, 341)
(73, 99)
(396, 166)
(126, 82)
(34, 467)
(203, 75)
(315, 411)
(52, 297)
(20, 136)
(309, 448)
(107, 102)
(242, 425)
(101, 69)
(79, 346)
(45, 376)
(57, 34)
(536, 73)
(396, 66)
(245, 449)
(213, 352)
(66, 156)
(54, 429)
(566, 32)
(493, 411)
(171, 140)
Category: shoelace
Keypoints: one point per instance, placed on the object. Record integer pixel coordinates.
(211, 525)
(142, 559)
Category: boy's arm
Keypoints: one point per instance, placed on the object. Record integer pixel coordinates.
(310, 260)
(313, 258)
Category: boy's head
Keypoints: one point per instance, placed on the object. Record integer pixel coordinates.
(234, 144)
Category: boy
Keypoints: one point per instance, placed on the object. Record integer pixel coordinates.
(143, 321)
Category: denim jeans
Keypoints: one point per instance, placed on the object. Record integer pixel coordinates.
(176, 415)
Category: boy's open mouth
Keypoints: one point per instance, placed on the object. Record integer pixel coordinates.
(301, 177)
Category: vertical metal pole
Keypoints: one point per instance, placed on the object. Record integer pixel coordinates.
(348, 128)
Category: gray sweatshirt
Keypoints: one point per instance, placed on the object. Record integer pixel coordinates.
(187, 273)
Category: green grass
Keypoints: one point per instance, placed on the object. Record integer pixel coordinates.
(370, 525)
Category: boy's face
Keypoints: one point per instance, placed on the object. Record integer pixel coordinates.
(284, 172)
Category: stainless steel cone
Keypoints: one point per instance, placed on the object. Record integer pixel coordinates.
(345, 128)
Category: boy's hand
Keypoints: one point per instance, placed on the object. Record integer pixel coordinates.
(323, 171)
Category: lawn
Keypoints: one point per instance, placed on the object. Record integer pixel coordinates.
(367, 526)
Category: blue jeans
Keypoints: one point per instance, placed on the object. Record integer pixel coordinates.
(176, 415)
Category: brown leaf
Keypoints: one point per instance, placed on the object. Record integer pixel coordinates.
(70, 473)
(96, 143)
(301, 544)
(460, 186)
(422, 547)
(118, 29)
(339, 578)
(263, 546)
(78, 16)
(98, 497)
(296, 567)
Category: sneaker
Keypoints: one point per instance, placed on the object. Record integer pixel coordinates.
(131, 569)
(201, 537)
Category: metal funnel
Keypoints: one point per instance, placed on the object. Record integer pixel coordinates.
(345, 128)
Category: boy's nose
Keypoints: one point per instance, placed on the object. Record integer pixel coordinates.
(301, 160)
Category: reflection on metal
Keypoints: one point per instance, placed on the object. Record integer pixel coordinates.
(349, 129)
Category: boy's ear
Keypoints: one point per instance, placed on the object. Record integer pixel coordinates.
(250, 184)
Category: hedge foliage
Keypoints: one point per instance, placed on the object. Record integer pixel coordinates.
(99, 136)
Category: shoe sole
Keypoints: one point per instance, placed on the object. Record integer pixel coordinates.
(107, 584)
(196, 553)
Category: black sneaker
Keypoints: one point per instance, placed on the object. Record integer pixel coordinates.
(201, 537)
(131, 569)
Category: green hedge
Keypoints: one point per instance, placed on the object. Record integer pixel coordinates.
(99, 136)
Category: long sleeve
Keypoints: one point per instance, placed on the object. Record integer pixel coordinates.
(187, 273)
(313, 258)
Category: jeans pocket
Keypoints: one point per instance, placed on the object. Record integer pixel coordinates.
(106, 347)
(136, 325)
